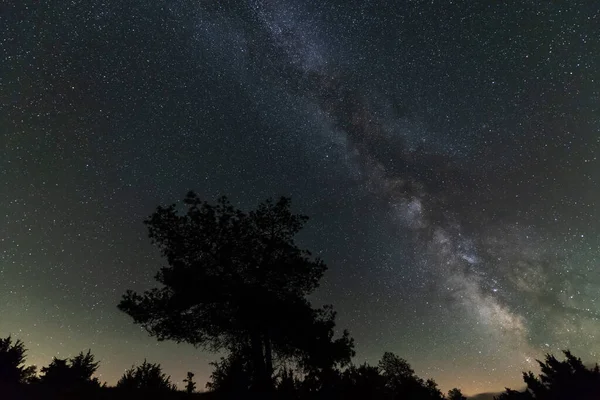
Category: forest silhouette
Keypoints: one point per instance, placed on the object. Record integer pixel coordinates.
(237, 283)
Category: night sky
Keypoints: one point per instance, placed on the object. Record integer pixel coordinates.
(446, 152)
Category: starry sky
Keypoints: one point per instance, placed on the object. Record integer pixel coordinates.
(446, 152)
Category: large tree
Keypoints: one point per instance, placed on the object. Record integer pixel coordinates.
(237, 280)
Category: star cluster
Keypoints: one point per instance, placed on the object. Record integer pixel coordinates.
(446, 153)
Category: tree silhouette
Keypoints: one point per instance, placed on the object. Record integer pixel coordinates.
(402, 381)
(236, 278)
(57, 374)
(288, 385)
(232, 374)
(432, 390)
(394, 368)
(75, 372)
(363, 382)
(12, 363)
(455, 394)
(568, 379)
(190, 385)
(83, 367)
(147, 377)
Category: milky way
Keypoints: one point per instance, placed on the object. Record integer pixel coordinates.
(446, 153)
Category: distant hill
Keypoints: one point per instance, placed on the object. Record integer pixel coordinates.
(484, 396)
(490, 396)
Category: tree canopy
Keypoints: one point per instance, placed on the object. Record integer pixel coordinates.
(567, 379)
(147, 377)
(12, 362)
(76, 371)
(455, 394)
(237, 280)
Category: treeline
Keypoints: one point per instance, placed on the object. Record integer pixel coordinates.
(74, 378)
(232, 378)
(236, 282)
(391, 379)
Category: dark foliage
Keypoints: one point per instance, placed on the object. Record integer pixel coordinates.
(288, 385)
(363, 382)
(403, 383)
(455, 394)
(232, 375)
(12, 363)
(238, 279)
(568, 379)
(237, 282)
(190, 385)
(146, 377)
(392, 379)
(75, 372)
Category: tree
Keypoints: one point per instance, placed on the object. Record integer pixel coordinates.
(456, 394)
(190, 385)
(402, 381)
(12, 363)
(396, 370)
(568, 379)
(232, 374)
(432, 390)
(288, 384)
(83, 367)
(57, 373)
(148, 377)
(75, 372)
(237, 278)
(363, 382)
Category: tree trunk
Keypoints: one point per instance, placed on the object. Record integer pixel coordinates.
(258, 361)
(268, 358)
